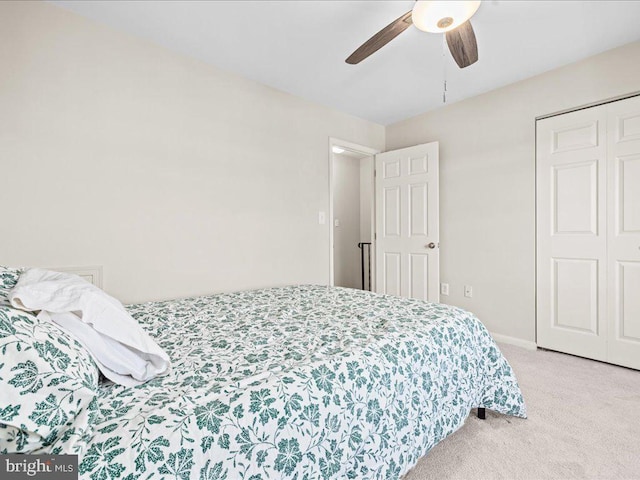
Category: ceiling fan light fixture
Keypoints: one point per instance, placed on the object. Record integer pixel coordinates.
(442, 16)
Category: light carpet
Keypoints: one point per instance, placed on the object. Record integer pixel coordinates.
(584, 423)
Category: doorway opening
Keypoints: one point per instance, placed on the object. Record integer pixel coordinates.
(351, 215)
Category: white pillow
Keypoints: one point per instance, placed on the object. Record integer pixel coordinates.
(124, 352)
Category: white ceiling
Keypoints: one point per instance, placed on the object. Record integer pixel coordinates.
(300, 46)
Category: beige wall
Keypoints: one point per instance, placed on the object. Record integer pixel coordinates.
(367, 221)
(487, 181)
(178, 178)
(366, 199)
(346, 209)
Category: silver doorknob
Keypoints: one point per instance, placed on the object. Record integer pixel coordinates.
(431, 245)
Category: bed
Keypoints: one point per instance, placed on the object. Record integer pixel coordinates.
(297, 382)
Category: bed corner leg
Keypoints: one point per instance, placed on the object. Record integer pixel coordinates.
(481, 413)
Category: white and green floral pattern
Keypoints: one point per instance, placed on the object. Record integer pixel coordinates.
(48, 387)
(305, 382)
(8, 279)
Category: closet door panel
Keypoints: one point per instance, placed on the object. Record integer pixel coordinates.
(623, 199)
(571, 233)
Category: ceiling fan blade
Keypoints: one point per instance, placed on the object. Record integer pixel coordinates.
(462, 44)
(381, 38)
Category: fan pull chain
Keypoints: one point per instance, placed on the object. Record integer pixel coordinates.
(444, 71)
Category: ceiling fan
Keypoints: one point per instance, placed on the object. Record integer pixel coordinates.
(448, 17)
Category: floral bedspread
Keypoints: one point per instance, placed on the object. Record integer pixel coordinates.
(303, 382)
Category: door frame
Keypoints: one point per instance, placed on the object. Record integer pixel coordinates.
(354, 147)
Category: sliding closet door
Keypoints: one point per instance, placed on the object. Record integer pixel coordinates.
(624, 232)
(572, 233)
(588, 228)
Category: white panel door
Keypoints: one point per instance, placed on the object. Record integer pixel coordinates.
(407, 223)
(623, 201)
(572, 233)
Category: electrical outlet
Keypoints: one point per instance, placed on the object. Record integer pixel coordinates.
(444, 289)
(468, 291)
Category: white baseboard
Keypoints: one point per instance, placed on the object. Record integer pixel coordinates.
(518, 342)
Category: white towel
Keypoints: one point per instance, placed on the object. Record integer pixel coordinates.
(123, 351)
